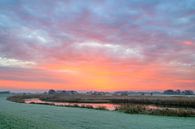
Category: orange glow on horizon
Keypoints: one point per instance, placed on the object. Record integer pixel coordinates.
(100, 76)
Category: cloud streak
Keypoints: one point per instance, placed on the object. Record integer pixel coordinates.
(5, 62)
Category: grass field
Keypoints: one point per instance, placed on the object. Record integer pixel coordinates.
(140, 104)
(27, 116)
(172, 101)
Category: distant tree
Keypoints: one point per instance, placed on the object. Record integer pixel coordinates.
(178, 92)
(51, 91)
(169, 92)
(73, 92)
(188, 92)
(125, 93)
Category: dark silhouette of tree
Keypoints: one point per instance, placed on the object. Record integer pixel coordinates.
(51, 91)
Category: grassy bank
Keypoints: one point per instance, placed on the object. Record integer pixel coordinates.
(171, 101)
(165, 111)
(169, 105)
(25, 116)
(74, 105)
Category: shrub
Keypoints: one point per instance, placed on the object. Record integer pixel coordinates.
(131, 108)
(101, 108)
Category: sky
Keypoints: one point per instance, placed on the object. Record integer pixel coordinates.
(103, 45)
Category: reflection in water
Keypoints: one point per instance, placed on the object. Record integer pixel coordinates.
(107, 106)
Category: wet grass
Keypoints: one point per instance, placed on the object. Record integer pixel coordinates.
(142, 109)
(171, 105)
(31, 116)
(11, 121)
(171, 101)
(74, 106)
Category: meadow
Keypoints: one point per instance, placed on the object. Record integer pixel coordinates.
(172, 101)
(140, 104)
(31, 116)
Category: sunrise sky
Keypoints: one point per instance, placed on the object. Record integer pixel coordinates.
(97, 44)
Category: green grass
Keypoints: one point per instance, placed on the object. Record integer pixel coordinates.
(171, 101)
(163, 111)
(31, 116)
(169, 105)
(131, 108)
(8, 121)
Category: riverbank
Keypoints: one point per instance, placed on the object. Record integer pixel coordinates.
(127, 104)
(99, 106)
(31, 116)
